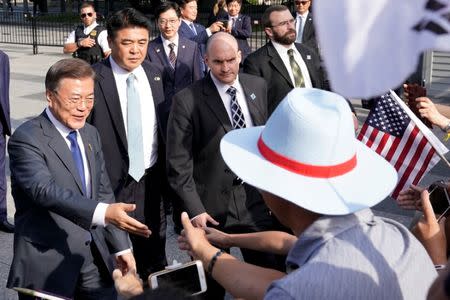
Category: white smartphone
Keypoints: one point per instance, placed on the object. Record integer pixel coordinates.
(189, 277)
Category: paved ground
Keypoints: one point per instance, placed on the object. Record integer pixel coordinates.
(27, 100)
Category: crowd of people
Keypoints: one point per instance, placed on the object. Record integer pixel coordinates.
(247, 149)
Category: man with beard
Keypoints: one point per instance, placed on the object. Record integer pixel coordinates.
(283, 63)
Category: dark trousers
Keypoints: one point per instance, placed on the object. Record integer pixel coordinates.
(150, 253)
(94, 281)
(3, 213)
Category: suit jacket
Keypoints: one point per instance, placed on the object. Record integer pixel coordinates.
(4, 94)
(107, 117)
(242, 30)
(53, 216)
(266, 63)
(187, 69)
(309, 33)
(200, 38)
(197, 122)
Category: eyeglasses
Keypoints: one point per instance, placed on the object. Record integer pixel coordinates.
(76, 101)
(285, 23)
(301, 2)
(167, 21)
(84, 15)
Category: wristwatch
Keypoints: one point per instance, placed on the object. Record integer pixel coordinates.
(446, 128)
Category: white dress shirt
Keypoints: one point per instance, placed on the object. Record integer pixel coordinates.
(166, 44)
(148, 114)
(240, 97)
(102, 37)
(282, 52)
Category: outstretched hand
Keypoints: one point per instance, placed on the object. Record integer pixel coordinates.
(116, 214)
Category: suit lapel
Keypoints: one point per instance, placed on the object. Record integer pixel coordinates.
(108, 87)
(215, 103)
(277, 63)
(252, 101)
(57, 143)
(308, 26)
(155, 80)
(87, 141)
(309, 64)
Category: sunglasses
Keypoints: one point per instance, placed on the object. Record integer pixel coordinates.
(86, 15)
(301, 2)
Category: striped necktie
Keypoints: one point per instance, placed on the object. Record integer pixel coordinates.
(172, 55)
(237, 116)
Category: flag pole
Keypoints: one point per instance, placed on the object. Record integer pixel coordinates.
(443, 158)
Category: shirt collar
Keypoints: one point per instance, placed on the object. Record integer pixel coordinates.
(304, 16)
(122, 73)
(281, 48)
(187, 22)
(92, 26)
(167, 42)
(222, 86)
(62, 129)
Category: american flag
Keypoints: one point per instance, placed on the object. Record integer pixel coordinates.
(392, 130)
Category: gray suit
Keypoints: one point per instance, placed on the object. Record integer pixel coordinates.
(53, 218)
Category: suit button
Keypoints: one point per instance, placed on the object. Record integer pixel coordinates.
(87, 243)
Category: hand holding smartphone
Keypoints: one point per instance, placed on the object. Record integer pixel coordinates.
(439, 199)
(190, 277)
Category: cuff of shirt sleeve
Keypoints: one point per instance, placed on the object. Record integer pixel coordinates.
(122, 252)
(208, 32)
(99, 214)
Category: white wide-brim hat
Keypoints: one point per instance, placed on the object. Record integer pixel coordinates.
(308, 154)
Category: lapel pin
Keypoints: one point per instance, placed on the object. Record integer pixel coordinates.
(183, 46)
(308, 57)
(252, 96)
(157, 78)
(157, 50)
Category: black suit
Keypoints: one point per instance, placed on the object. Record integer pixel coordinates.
(107, 117)
(53, 215)
(198, 174)
(5, 128)
(187, 69)
(309, 33)
(266, 63)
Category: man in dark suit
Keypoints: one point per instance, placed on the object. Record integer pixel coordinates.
(201, 114)
(178, 57)
(194, 31)
(273, 61)
(306, 34)
(239, 26)
(5, 129)
(129, 104)
(65, 209)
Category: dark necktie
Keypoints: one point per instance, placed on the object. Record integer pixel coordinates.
(134, 133)
(237, 117)
(298, 76)
(193, 28)
(77, 158)
(172, 56)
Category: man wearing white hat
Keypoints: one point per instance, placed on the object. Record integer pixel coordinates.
(313, 178)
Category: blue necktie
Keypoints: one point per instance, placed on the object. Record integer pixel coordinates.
(193, 28)
(77, 158)
(237, 116)
(135, 139)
